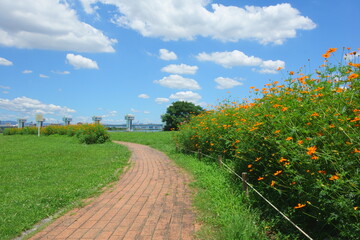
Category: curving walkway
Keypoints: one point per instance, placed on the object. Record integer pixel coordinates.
(150, 201)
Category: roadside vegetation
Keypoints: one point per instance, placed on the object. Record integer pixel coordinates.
(299, 140)
(40, 176)
(87, 133)
(222, 209)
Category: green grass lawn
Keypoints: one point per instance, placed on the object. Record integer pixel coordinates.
(222, 209)
(40, 176)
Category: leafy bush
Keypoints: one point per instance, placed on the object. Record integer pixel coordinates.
(91, 134)
(300, 143)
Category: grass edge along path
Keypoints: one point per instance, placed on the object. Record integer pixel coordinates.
(222, 212)
(45, 176)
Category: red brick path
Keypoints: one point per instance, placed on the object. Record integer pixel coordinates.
(150, 201)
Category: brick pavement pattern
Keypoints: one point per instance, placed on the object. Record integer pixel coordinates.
(150, 201)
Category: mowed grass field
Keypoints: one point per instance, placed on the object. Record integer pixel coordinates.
(40, 176)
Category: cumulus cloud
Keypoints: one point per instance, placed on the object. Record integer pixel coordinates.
(188, 96)
(27, 71)
(238, 58)
(162, 100)
(178, 82)
(143, 95)
(43, 76)
(31, 107)
(79, 61)
(5, 62)
(187, 19)
(167, 55)
(226, 83)
(53, 25)
(180, 69)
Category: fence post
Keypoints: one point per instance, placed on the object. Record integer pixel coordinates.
(244, 183)
(220, 160)
(199, 154)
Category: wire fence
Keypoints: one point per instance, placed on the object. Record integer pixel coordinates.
(247, 185)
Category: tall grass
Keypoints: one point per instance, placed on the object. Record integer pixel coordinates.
(40, 176)
(300, 142)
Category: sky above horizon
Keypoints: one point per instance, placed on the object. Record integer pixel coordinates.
(109, 58)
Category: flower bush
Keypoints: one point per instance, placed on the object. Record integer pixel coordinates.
(87, 133)
(300, 143)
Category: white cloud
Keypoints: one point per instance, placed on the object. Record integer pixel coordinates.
(187, 19)
(61, 72)
(143, 95)
(27, 71)
(226, 83)
(45, 24)
(178, 82)
(79, 61)
(188, 96)
(31, 107)
(165, 54)
(5, 87)
(43, 76)
(238, 58)
(230, 59)
(180, 69)
(162, 100)
(271, 66)
(5, 62)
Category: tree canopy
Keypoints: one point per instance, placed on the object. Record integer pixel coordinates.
(179, 112)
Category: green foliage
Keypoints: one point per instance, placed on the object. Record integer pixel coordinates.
(41, 176)
(300, 143)
(87, 133)
(178, 113)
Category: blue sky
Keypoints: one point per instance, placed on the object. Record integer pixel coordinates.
(80, 58)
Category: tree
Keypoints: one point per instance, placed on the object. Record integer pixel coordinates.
(179, 112)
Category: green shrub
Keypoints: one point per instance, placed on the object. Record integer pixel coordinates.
(300, 143)
(91, 134)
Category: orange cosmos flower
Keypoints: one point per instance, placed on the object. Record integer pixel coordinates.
(277, 172)
(279, 68)
(284, 109)
(282, 159)
(353, 76)
(291, 73)
(356, 151)
(277, 131)
(260, 178)
(300, 142)
(272, 183)
(250, 165)
(334, 177)
(331, 50)
(311, 150)
(289, 138)
(326, 55)
(300, 206)
(315, 114)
